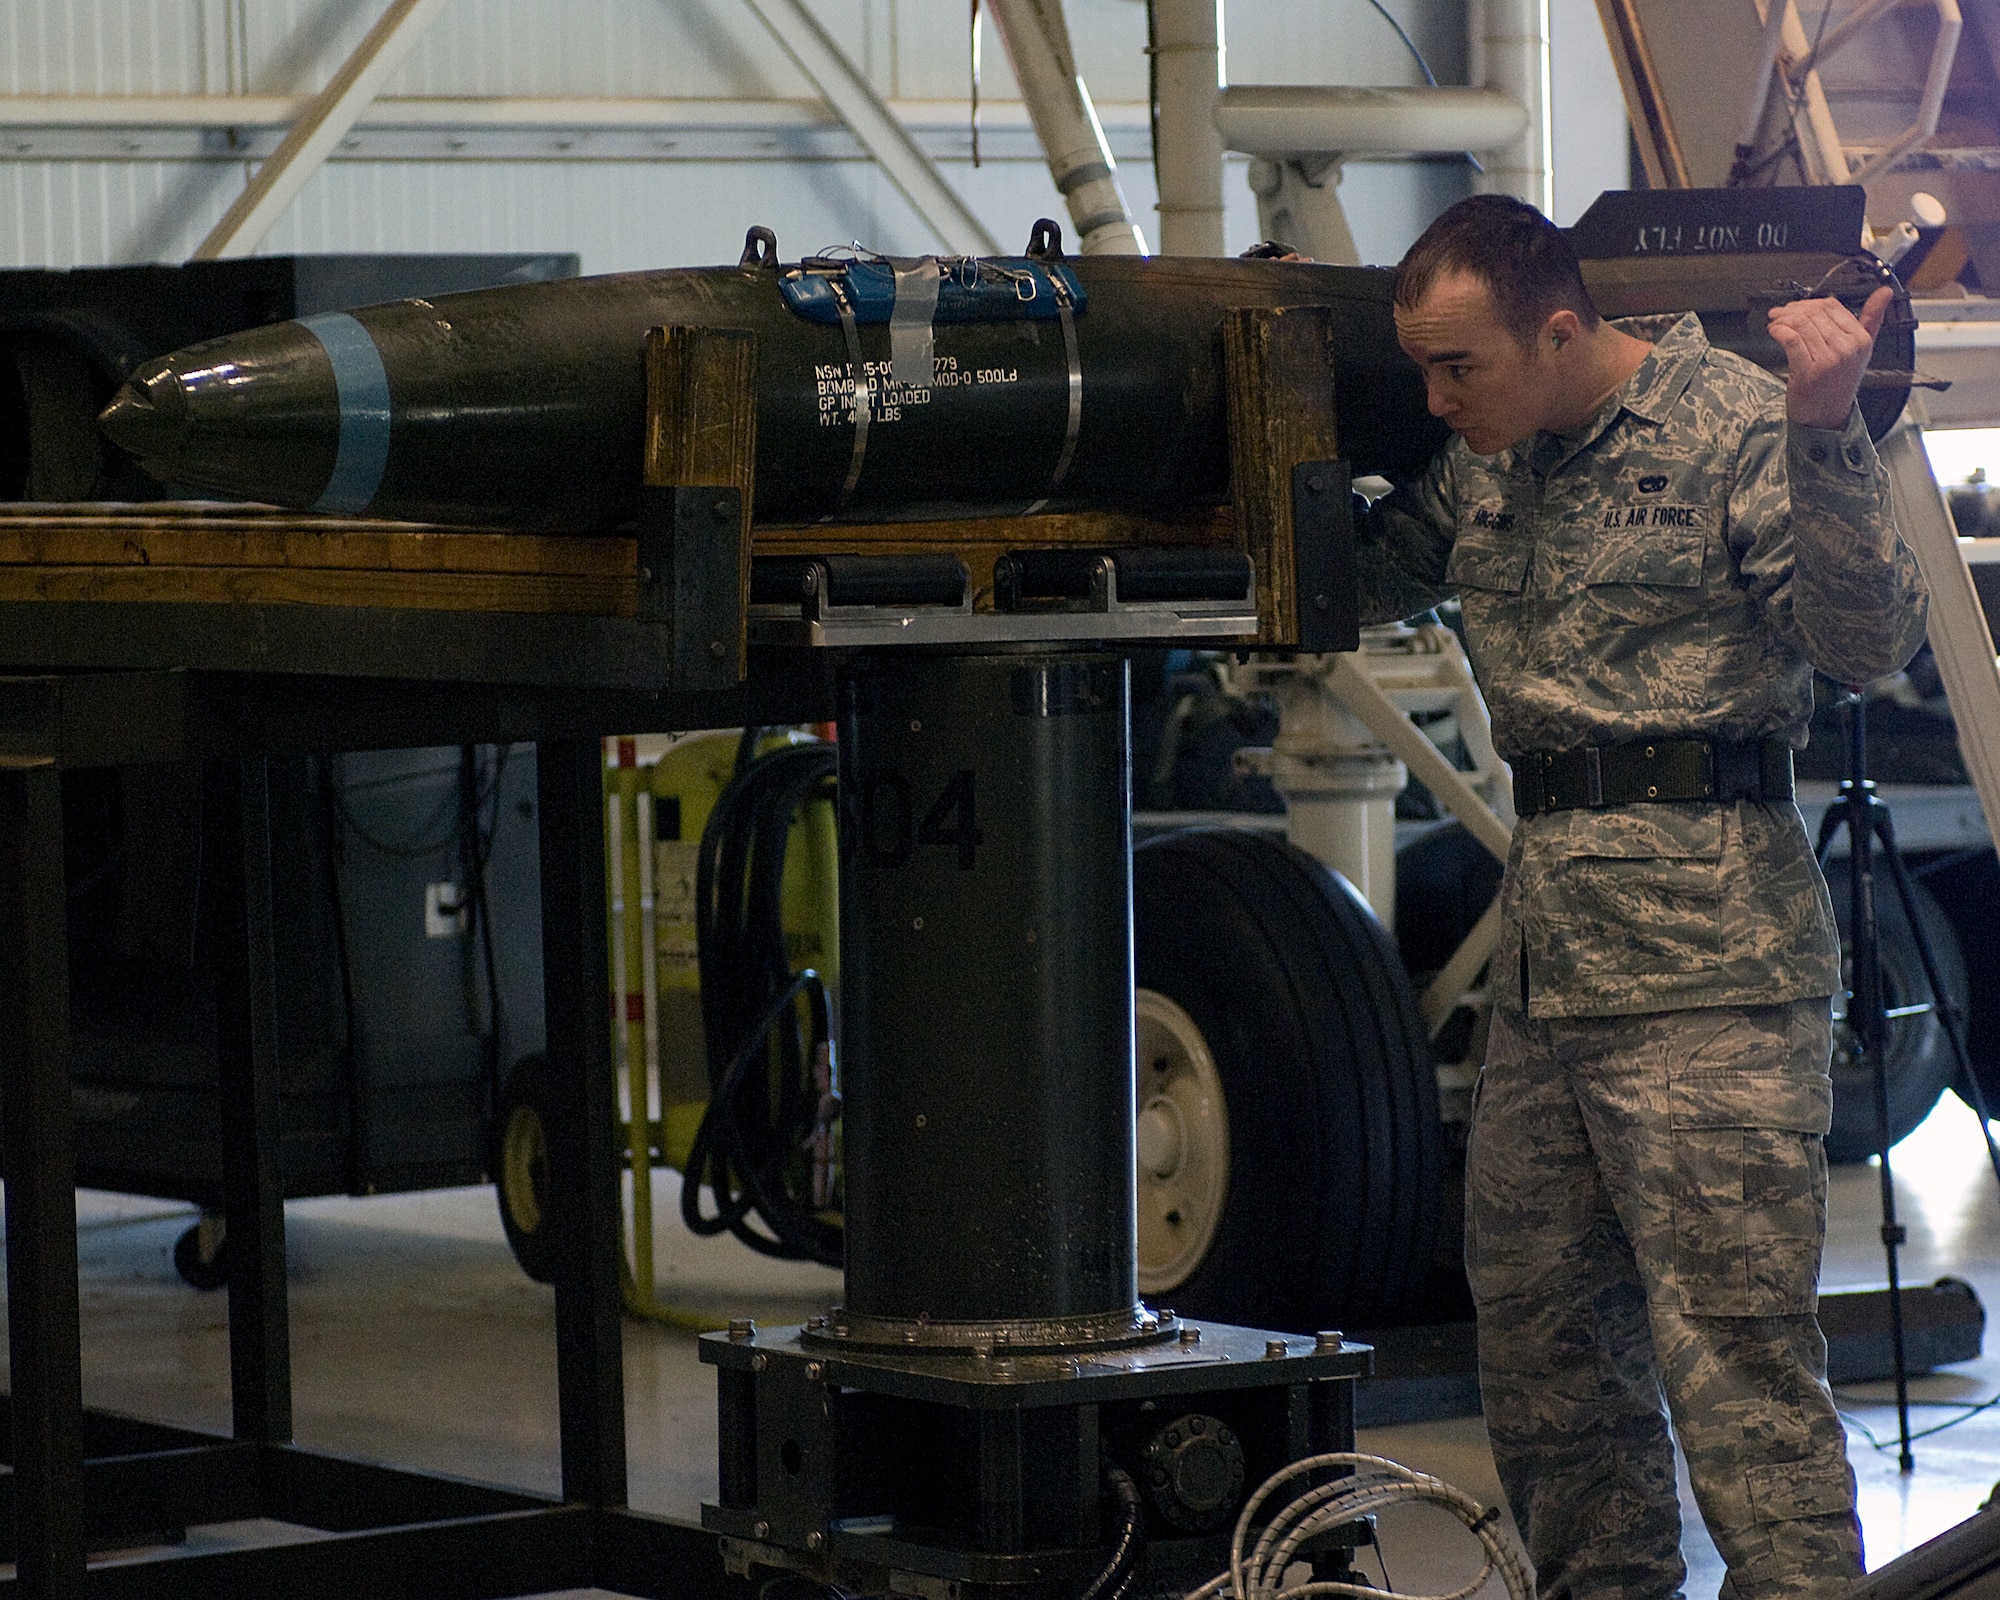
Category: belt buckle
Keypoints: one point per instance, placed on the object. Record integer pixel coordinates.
(1593, 776)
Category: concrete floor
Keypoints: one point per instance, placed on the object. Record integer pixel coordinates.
(418, 1342)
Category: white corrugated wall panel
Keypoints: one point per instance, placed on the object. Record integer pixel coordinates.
(622, 215)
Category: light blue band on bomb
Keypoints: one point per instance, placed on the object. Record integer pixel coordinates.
(362, 388)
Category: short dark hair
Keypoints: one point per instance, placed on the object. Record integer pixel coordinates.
(1523, 259)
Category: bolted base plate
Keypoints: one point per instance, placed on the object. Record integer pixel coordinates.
(842, 1329)
(924, 1471)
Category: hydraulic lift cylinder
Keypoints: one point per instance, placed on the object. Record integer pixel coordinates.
(986, 1003)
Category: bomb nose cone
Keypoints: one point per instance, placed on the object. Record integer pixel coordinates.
(148, 417)
(254, 416)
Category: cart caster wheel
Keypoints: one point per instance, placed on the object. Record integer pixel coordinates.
(520, 1166)
(196, 1271)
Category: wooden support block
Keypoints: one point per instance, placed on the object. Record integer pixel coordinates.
(1278, 385)
(694, 521)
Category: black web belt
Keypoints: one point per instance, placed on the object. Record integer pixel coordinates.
(1642, 770)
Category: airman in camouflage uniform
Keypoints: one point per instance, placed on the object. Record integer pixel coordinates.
(1646, 1187)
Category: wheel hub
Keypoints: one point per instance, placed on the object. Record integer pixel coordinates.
(1183, 1144)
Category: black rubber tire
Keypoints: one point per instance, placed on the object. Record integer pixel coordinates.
(1921, 1063)
(519, 1164)
(1336, 1150)
(1445, 880)
(195, 1272)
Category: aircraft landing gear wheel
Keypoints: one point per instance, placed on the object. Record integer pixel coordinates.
(203, 1262)
(520, 1165)
(1920, 1060)
(1270, 972)
(1183, 1138)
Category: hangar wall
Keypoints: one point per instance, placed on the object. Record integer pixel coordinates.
(639, 133)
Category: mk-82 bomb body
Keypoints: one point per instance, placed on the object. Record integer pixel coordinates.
(525, 406)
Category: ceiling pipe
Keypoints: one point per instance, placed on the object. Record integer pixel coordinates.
(1187, 69)
(1280, 120)
(1510, 55)
(1058, 101)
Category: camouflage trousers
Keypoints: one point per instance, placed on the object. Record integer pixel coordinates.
(1645, 1207)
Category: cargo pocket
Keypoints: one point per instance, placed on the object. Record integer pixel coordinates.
(1749, 1187)
(1638, 894)
(1784, 1491)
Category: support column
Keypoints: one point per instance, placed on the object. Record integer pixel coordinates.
(40, 1165)
(583, 1160)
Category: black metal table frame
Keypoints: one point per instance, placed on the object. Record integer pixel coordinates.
(81, 1481)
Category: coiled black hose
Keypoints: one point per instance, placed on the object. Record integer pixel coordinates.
(764, 1105)
(1115, 1581)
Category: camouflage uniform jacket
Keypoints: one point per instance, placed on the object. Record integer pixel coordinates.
(1676, 568)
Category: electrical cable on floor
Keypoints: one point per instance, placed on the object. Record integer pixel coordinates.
(1374, 1482)
(1970, 1409)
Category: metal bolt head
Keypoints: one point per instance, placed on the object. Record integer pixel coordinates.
(1274, 1348)
(815, 1371)
(742, 1328)
(1329, 1339)
(1315, 483)
(759, 1362)
(716, 649)
(1190, 1336)
(815, 1541)
(724, 511)
(761, 1529)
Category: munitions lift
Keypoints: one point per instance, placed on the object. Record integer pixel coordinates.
(948, 1431)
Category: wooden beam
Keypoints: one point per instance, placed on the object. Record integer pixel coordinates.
(1278, 384)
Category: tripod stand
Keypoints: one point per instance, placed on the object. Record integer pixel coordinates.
(1868, 823)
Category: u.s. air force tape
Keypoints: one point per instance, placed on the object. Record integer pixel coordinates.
(361, 387)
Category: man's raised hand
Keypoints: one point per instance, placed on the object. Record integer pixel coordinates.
(1826, 350)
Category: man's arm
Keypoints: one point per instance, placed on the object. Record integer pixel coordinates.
(1402, 544)
(1810, 515)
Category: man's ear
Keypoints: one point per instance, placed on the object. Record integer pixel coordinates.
(1562, 326)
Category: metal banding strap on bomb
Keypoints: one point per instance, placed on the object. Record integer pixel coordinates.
(1055, 384)
(913, 296)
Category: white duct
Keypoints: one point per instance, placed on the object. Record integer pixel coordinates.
(1280, 121)
(1510, 55)
(1037, 42)
(1187, 65)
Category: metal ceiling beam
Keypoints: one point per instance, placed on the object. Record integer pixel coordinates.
(843, 88)
(40, 111)
(319, 131)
